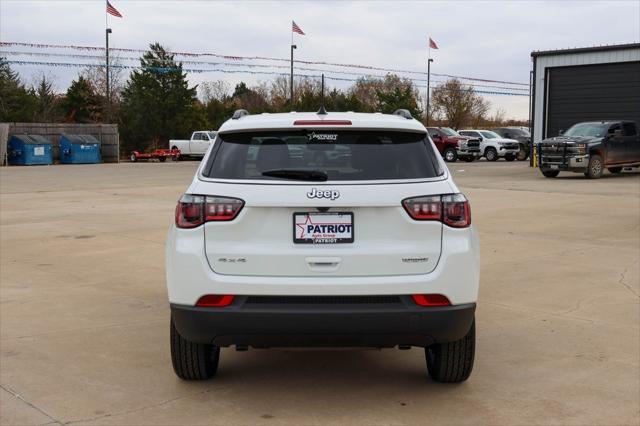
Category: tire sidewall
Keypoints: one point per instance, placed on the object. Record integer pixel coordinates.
(450, 155)
(491, 154)
(596, 167)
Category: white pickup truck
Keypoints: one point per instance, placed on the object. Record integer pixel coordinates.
(197, 145)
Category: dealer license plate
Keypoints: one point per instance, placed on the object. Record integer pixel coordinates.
(322, 228)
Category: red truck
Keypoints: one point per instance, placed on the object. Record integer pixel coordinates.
(453, 145)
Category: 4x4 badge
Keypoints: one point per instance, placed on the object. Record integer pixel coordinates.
(332, 194)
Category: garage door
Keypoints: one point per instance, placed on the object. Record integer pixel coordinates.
(592, 92)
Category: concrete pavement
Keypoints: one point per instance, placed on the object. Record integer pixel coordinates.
(84, 315)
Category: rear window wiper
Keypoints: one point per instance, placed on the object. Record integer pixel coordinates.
(298, 174)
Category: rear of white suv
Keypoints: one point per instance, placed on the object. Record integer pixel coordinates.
(334, 230)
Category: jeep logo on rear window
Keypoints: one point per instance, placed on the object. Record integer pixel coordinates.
(330, 193)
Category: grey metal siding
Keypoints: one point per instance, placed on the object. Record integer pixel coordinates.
(592, 92)
(544, 61)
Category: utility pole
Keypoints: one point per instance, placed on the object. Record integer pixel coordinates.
(108, 109)
(293, 46)
(428, 87)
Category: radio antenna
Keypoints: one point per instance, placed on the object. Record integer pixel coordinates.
(322, 110)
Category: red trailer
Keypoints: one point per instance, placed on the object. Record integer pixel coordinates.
(160, 154)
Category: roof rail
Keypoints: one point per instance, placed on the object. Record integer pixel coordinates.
(239, 113)
(403, 113)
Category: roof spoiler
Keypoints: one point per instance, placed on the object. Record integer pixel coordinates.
(403, 113)
(239, 113)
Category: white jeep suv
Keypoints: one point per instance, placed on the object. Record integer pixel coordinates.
(338, 230)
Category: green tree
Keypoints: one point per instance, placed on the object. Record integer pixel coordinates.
(398, 98)
(16, 102)
(46, 102)
(158, 104)
(81, 104)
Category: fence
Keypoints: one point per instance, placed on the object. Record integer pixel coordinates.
(107, 134)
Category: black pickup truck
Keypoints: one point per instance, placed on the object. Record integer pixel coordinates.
(591, 147)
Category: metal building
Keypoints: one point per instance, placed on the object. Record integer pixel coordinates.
(592, 83)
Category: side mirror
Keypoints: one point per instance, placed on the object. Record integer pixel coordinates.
(560, 132)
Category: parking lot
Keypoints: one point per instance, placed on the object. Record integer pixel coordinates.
(84, 313)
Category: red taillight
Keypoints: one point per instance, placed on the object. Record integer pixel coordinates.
(424, 208)
(194, 210)
(214, 301)
(453, 210)
(431, 300)
(456, 211)
(217, 208)
(322, 123)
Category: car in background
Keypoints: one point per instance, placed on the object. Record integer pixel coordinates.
(452, 145)
(590, 147)
(522, 136)
(197, 146)
(493, 146)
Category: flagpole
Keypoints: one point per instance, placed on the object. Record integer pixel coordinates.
(293, 46)
(429, 60)
(107, 32)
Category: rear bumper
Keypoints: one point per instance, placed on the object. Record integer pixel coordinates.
(328, 325)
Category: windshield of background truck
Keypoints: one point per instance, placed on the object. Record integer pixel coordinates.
(449, 132)
(587, 130)
(517, 132)
(490, 135)
(342, 155)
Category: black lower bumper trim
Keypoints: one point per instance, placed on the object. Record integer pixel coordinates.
(339, 325)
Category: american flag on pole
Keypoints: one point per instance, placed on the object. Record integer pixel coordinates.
(112, 10)
(296, 29)
(432, 44)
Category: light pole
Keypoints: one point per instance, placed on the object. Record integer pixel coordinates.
(108, 109)
(428, 87)
(293, 46)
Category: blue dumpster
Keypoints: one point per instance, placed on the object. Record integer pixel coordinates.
(27, 150)
(79, 149)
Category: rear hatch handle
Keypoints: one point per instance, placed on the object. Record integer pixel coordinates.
(323, 264)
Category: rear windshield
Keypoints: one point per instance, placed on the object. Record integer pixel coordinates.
(337, 155)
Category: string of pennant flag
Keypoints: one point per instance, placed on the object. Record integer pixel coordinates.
(223, 63)
(256, 58)
(210, 70)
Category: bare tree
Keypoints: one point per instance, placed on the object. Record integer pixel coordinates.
(96, 75)
(218, 90)
(459, 104)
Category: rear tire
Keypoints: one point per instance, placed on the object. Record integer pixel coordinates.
(162, 159)
(550, 173)
(450, 155)
(522, 155)
(614, 170)
(491, 154)
(452, 362)
(192, 361)
(595, 169)
(133, 158)
(177, 156)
